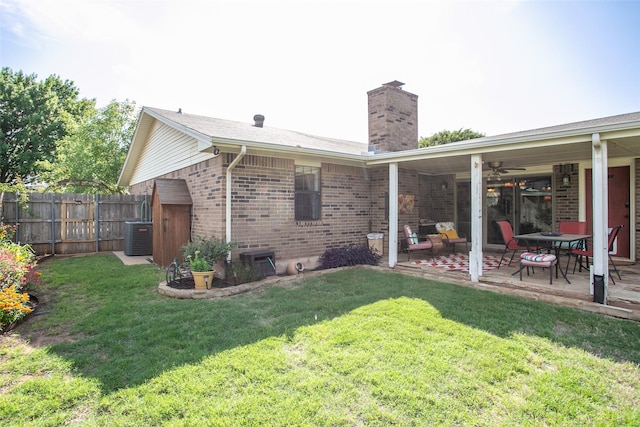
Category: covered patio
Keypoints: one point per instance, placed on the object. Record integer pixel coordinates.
(623, 297)
(575, 159)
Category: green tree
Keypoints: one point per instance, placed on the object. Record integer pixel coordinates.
(34, 115)
(447, 136)
(90, 159)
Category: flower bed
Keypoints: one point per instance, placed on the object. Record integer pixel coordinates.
(17, 274)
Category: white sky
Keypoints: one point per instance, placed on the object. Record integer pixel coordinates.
(494, 67)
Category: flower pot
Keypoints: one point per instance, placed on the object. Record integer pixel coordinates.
(295, 267)
(202, 279)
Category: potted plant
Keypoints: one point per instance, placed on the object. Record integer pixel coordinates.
(201, 272)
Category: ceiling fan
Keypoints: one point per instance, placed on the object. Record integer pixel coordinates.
(497, 169)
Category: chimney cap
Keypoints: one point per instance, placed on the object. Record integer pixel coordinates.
(394, 83)
(259, 120)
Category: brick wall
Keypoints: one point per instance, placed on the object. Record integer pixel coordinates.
(379, 187)
(442, 201)
(409, 184)
(263, 211)
(565, 197)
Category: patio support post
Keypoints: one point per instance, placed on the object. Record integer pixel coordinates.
(393, 215)
(475, 256)
(600, 265)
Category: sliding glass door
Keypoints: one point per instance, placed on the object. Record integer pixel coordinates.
(526, 202)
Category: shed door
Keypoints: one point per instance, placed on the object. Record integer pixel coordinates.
(619, 205)
(175, 231)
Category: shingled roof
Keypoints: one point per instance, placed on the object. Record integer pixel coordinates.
(239, 131)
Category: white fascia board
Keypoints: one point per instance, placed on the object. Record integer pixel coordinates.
(266, 148)
(506, 142)
(475, 146)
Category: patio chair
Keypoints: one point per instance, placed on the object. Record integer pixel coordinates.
(414, 243)
(509, 242)
(570, 227)
(450, 236)
(586, 253)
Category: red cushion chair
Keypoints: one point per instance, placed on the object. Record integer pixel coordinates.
(414, 243)
(580, 253)
(509, 242)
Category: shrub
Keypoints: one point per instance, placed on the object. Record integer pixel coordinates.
(33, 281)
(348, 255)
(17, 263)
(7, 232)
(212, 250)
(22, 254)
(13, 270)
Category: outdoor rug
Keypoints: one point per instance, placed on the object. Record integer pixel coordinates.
(459, 262)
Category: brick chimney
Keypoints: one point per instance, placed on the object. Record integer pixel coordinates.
(393, 118)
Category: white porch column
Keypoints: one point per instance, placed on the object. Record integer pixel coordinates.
(393, 215)
(475, 256)
(600, 211)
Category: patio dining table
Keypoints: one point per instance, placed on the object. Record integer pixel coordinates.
(549, 240)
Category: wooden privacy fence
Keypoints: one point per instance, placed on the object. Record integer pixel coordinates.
(55, 223)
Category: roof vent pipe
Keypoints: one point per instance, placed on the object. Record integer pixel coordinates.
(259, 120)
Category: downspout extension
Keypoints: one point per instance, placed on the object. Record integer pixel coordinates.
(232, 165)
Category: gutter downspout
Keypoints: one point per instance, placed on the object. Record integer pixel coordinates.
(232, 165)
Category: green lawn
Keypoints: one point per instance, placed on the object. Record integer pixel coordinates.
(354, 347)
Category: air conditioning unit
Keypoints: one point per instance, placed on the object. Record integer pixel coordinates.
(138, 238)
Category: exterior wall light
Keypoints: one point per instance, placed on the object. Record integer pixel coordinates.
(566, 179)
